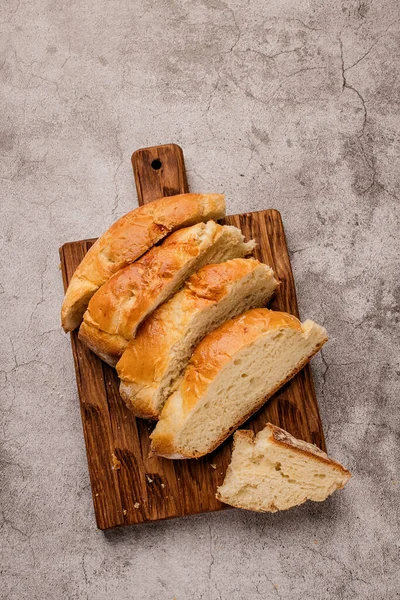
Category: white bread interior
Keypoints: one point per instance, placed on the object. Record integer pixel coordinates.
(274, 471)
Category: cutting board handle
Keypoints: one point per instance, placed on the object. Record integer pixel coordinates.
(159, 171)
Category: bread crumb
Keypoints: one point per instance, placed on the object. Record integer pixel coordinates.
(276, 586)
(96, 495)
(124, 511)
(59, 266)
(315, 541)
(136, 505)
(213, 465)
(149, 479)
(163, 485)
(116, 463)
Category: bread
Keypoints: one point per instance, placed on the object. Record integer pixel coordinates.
(120, 305)
(274, 471)
(232, 372)
(210, 297)
(130, 237)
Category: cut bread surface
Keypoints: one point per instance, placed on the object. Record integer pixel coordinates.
(120, 305)
(275, 471)
(130, 237)
(232, 372)
(211, 296)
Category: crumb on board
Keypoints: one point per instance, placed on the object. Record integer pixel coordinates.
(149, 479)
(213, 465)
(116, 463)
(163, 485)
(136, 505)
(124, 511)
(96, 495)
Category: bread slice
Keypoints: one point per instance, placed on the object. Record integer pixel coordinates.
(130, 237)
(120, 305)
(274, 471)
(210, 297)
(232, 372)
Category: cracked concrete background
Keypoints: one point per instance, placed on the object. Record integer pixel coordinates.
(286, 104)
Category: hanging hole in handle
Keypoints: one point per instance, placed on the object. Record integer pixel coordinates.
(156, 164)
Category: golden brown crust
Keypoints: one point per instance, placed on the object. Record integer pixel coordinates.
(140, 365)
(119, 305)
(212, 282)
(122, 303)
(163, 443)
(130, 237)
(202, 289)
(108, 347)
(143, 411)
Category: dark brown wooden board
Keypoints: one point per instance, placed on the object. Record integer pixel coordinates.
(128, 487)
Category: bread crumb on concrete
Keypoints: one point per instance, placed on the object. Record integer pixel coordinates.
(136, 505)
(116, 463)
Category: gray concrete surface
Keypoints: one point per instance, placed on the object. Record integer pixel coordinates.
(286, 104)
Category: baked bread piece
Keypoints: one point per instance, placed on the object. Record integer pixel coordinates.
(120, 305)
(274, 471)
(130, 237)
(232, 372)
(211, 296)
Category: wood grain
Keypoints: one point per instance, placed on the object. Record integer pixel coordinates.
(159, 171)
(128, 487)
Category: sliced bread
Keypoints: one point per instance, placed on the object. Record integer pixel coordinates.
(275, 471)
(130, 237)
(211, 296)
(232, 372)
(120, 305)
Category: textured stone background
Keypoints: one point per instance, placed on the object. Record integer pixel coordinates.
(287, 104)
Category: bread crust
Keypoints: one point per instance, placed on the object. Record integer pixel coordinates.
(108, 347)
(210, 356)
(139, 368)
(128, 239)
(122, 303)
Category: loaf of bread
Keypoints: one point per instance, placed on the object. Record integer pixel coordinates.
(274, 471)
(232, 372)
(130, 237)
(156, 357)
(120, 305)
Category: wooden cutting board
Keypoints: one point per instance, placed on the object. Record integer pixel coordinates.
(128, 487)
